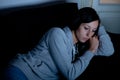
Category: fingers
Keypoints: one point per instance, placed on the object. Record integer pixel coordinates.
(94, 42)
(95, 36)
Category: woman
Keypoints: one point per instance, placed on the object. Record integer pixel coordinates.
(63, 52)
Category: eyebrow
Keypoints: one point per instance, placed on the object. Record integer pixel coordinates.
(90, 26)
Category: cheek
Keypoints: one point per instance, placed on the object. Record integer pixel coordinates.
(80, 34)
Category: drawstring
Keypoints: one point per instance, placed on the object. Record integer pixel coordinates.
(75, 52)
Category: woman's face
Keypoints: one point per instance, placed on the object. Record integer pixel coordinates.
(86, 31)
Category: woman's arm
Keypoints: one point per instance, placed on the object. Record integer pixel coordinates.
(105, 44)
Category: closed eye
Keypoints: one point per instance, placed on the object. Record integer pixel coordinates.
(86, 28)
(94, 30)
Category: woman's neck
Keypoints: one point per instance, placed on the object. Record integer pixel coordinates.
(75, 40)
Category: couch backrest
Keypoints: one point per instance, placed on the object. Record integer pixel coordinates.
(25, 25)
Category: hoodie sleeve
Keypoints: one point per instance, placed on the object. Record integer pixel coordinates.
(105, 46)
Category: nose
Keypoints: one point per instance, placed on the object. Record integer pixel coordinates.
(89, 34)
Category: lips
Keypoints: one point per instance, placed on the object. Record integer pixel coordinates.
(85, 39)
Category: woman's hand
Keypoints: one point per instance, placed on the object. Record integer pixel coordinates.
(94, 43)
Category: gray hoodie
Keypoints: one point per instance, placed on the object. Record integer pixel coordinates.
(54, 53)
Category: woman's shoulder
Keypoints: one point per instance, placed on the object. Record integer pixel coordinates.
(56, 31)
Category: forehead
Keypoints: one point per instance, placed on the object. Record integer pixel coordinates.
(93, 24)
